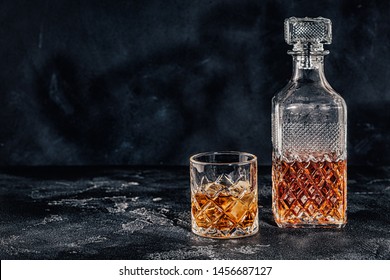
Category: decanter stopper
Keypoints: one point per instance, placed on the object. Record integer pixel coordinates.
(308, 34)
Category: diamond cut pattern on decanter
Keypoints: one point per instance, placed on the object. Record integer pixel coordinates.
(225, 207)
(309, 192)
(310, 138)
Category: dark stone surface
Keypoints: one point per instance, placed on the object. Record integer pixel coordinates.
(143, 213)
(150, 82)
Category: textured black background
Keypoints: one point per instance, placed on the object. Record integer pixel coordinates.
(151, 82)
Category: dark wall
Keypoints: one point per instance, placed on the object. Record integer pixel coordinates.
(151, 82)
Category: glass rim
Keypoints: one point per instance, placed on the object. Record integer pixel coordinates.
(252, 157)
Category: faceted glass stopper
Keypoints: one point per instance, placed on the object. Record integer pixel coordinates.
(308, 30)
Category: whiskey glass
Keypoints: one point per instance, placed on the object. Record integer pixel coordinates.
(224, 200)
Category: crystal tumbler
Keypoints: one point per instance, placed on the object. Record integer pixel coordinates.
(224, 194)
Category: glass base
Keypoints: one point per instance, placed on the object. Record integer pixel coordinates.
(225, 234)
(305, 225)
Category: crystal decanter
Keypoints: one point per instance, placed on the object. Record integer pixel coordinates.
(309, 123)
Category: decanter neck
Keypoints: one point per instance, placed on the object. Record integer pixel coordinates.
(308, 68)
